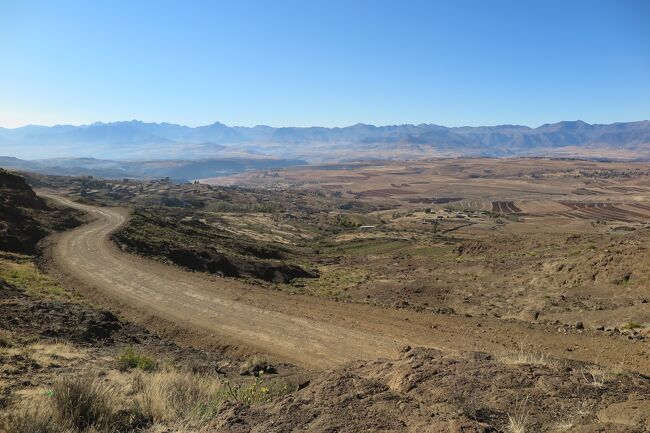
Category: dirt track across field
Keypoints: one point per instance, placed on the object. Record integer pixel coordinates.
(308, 331)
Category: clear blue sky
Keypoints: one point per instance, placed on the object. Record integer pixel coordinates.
(330, 63)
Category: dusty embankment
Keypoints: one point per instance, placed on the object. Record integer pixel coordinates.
(308, 331)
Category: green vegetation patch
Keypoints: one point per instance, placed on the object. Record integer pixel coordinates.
(433, 252)
(632, 325)
(257, 391)
(369, 246)
(130, 359)
(229, 206)
(335, 281)
(21, 272)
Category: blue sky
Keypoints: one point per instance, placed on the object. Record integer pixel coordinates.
(331, 63)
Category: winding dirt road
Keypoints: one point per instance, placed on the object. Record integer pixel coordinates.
(308, 331)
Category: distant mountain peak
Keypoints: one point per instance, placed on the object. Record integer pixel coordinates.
(135, 139)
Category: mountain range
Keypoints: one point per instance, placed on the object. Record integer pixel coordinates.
(135, 140)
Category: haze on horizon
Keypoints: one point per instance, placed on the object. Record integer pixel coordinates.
(328, 64)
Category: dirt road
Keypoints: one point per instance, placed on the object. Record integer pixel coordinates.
(304, 330)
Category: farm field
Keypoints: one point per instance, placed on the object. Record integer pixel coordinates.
(528, 239)
(571, 189)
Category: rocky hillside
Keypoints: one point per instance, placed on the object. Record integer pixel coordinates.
(25, 218)
(182, 237)
(425, 390)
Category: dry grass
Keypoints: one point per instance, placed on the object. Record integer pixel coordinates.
(83, 402)
(619, 370)
(596, 376)
(568, 421)
(173, 396)
(54, 353)
(253, 361)
(564, 425)
(523, 356)
(583, 409)
(191, 398)
(518, 420)
(32, 416)
(45, 354)
(75, 403)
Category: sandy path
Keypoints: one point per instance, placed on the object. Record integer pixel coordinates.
(309, 331)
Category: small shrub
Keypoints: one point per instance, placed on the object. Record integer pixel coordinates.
(130, 359)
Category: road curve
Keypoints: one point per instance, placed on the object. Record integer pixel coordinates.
(186, 298)
(308, 331)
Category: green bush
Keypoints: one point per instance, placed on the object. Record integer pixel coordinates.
(130, 359)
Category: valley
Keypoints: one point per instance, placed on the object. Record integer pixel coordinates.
(368, 278)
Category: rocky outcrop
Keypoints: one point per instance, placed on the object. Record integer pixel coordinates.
(426, 390)
(25, 218)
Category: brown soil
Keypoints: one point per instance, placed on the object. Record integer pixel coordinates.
(505, 207)
(307, 331)
(425, 390)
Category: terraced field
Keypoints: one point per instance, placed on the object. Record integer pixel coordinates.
(505, 207)
(602, 211)
(386, 192)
